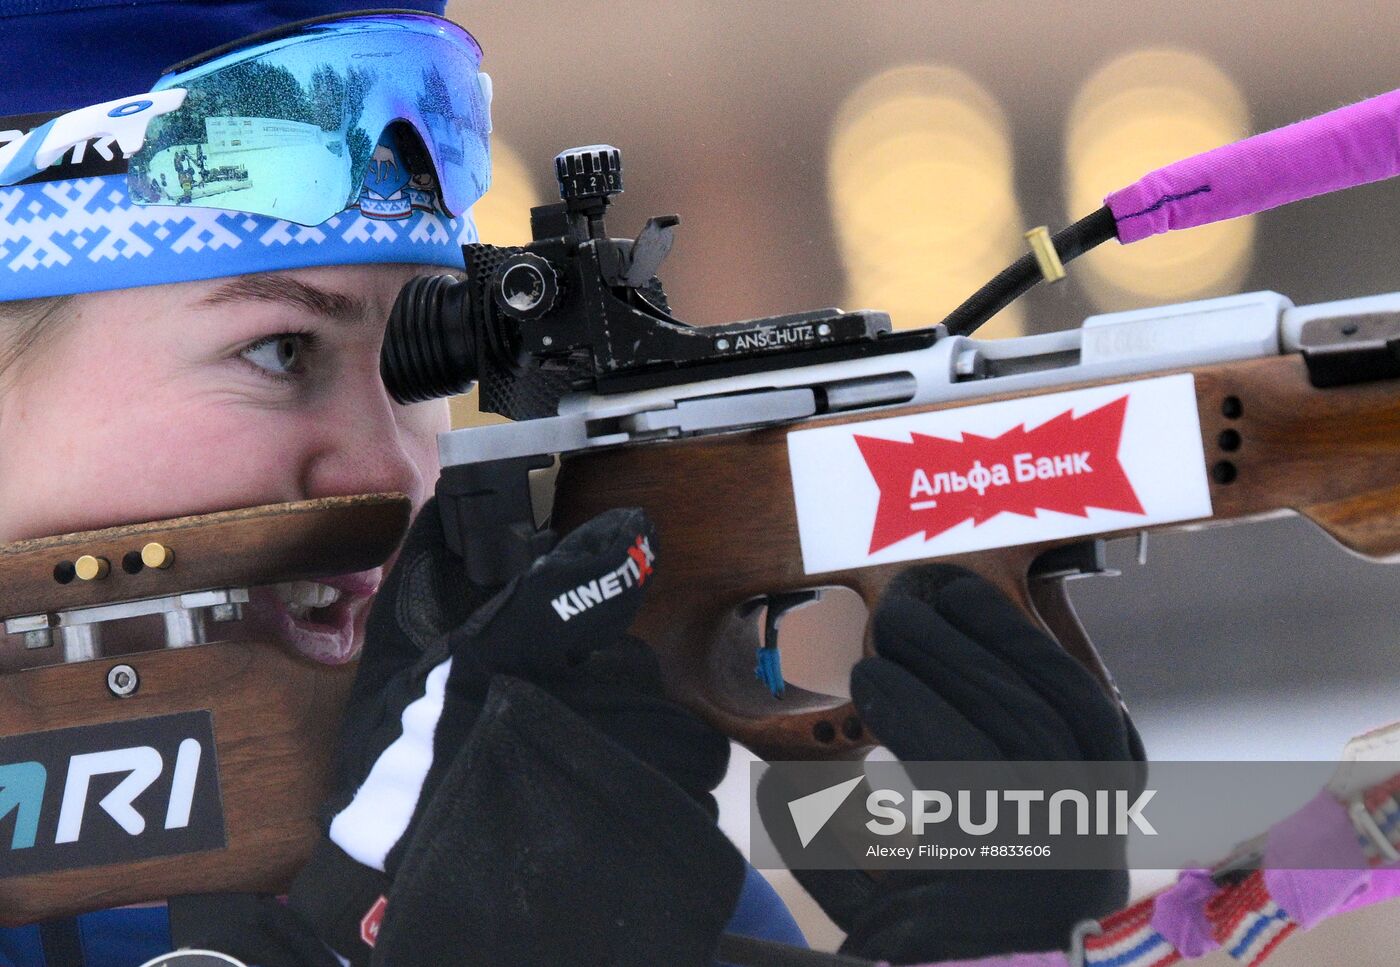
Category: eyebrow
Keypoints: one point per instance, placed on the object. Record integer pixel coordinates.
(286, 291)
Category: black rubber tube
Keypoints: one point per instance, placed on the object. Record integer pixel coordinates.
(1020, 276)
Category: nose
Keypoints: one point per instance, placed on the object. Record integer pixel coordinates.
(369, 444)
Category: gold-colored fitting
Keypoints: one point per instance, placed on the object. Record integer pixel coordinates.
(89, 568)
(157, 555)
(1043, 248)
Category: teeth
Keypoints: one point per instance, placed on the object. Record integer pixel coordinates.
(301, 596)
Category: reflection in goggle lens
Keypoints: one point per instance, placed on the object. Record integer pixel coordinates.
(292, 130)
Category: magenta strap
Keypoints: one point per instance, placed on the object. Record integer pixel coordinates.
(1346, 147)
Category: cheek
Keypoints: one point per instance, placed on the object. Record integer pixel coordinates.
(419, 429)
(143, 457)
(117, 445)
(213, 456)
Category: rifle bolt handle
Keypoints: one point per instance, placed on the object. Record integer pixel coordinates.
(157, 555)
(90, 568)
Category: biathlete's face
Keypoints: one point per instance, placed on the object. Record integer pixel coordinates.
(181, 399)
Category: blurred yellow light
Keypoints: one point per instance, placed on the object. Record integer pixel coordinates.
(919, 176)
(502, 218)
(503, 213)
(1136, 114)
(466, 410)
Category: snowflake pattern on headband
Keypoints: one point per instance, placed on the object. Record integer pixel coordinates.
(84, 235)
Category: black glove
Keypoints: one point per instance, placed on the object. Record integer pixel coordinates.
(586, 659)
(549, 846)
(420, 690)
(960, 674)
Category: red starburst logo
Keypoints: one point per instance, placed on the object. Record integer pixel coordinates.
(930, 485)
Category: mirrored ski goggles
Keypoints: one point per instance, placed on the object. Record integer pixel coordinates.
(287, 123)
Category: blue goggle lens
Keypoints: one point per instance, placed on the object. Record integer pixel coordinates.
(291, 128)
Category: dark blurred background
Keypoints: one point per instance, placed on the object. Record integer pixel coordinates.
(890, 154)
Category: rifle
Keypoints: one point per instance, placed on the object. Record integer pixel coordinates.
(1269, 406)
(1269, 437)
(222, 742)
(823, 449)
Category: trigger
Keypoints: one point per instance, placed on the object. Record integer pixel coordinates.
(769, 667)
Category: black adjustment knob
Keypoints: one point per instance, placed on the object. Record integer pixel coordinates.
(525, 286)
(588, 173)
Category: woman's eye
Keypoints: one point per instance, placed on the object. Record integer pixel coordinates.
(281, 355)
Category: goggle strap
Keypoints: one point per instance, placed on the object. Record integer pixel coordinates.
(123, 121)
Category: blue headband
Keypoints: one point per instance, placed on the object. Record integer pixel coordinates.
(67, 236)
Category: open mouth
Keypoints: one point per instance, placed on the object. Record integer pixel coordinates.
(311, 602)
(323, 620)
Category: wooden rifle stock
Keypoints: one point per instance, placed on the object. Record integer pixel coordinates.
(723, 506)
(275, 715)
(727, 526)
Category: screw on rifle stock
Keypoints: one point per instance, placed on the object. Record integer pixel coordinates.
(122, 680)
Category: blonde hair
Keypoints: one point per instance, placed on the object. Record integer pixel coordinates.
(25, 323)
